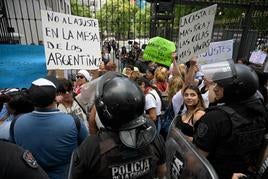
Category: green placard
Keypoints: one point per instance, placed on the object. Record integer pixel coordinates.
(159, 50)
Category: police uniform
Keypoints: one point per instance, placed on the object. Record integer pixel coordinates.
(129, 147)
(232, 136)
(232, 132)
(18, 163)
(104, 156)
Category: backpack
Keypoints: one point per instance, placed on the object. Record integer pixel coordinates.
(163, 98)
(167, 113)
(78, 126)
(166, 120)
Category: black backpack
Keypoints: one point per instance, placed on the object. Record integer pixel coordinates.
(166, 120)
(163, 98)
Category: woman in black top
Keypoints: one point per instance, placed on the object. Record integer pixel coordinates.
(194, 110)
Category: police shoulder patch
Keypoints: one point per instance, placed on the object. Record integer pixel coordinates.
(202, 130)
(29, 159)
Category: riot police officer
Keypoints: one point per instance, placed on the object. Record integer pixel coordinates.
(18, 163)
(230, 134)
(129, 146)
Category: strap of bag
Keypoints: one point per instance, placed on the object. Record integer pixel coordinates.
(80, 106)
(78, 126)
(152, 95)
(11, 130)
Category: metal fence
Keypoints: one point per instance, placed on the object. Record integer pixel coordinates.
(125, 20)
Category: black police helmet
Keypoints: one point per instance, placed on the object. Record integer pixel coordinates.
(119, 102)
(243, 83)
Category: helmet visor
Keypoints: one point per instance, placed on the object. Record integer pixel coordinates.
(217, 71)
(139, 137)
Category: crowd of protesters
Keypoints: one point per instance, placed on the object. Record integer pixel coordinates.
(54, 116)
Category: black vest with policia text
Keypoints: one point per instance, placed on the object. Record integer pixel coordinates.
(121, 162)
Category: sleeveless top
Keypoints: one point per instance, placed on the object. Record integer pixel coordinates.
(186, 128)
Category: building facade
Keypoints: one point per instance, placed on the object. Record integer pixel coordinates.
(23, 18)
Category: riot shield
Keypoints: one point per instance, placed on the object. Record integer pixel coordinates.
(183, 160)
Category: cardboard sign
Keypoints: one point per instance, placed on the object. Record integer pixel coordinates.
(257, 57)
(195, 33)
(217, 51)
(71, 42)
(159, 50)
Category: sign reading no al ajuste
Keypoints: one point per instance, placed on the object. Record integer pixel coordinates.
(70, 42)
(217, 51)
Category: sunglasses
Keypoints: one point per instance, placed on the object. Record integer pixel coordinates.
(81, 77)
(65, 91)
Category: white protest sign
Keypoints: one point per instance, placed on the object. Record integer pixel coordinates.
(70, 42)
(217, 51)
(257, 57)
(195, 33)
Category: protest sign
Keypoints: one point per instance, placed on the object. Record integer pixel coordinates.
(257, 57)
(159, 50)
(217, 51)
(195, 33)
(71, 42)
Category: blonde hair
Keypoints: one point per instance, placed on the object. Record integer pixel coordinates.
(161, 74)
(182, 70)
(134, 75)
(175, 84)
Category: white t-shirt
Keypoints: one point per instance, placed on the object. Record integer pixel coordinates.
(177, 101)
(152, 100)
(205, 98)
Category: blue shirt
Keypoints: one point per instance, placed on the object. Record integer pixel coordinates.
(51, 136)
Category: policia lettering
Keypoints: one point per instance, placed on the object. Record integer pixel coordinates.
(131, 170)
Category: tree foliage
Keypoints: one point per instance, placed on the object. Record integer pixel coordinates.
(124, 19)
(117, 17)
(80, 9)
(143, 17)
